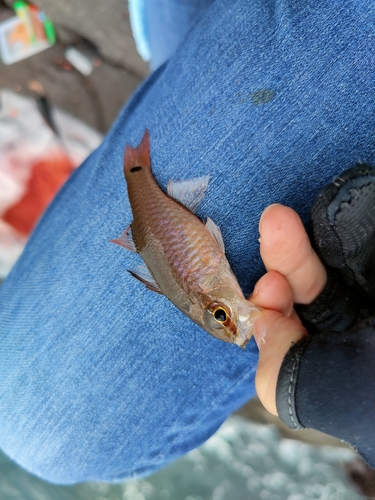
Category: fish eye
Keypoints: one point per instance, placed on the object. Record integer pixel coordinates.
(220, 315)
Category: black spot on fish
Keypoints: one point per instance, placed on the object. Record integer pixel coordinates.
(262, 96)
(135, 169)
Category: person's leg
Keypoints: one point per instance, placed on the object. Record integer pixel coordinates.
(160, 26)
(168, 22)
(102, 379)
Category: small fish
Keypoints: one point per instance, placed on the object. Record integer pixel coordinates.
(184, 258)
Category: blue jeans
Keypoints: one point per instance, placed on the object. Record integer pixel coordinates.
(99, 377)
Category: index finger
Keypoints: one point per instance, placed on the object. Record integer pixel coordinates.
(285, 247)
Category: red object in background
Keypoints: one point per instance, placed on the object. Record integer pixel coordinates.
(48, 175)
(40, 33)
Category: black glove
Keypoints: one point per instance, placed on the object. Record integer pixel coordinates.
(326, 381)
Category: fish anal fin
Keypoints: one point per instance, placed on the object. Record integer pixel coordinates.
(139, 156)
(142, 274)
(190, 192)
(215, 232)
(125, 240)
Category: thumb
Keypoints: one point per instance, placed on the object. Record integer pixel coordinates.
(275, 334)
(279, 334)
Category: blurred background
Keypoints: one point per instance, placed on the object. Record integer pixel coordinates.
(67, 68)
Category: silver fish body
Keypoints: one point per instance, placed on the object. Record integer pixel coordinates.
(185, 258)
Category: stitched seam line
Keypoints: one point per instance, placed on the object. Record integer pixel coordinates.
(291, 382)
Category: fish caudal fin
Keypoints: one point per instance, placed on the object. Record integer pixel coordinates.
(136, 158)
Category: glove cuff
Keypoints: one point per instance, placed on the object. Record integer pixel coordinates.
(286, 384)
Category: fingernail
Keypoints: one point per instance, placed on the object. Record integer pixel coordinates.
(264, 212)
(258, 286)
(256, 289)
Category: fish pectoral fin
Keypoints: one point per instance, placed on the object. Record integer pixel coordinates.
(216, 233)
(126, 240)
(189, 192)
(142, 274)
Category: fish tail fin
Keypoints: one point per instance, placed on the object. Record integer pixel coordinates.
(137, 158)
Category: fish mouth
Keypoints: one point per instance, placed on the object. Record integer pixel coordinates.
(248, 316)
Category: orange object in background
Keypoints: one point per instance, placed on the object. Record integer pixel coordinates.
(19, 34)
(48, 175)
(34, 164)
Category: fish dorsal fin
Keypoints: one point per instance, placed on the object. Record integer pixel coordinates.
(189, 192)
(216, 233)
(126, 240)
(142, 274)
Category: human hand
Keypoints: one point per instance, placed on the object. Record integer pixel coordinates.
(322, 380)
(294, 275)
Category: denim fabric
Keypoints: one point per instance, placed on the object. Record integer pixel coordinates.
(103, 379)
(139, 25)
(160, 26)
(163, 25)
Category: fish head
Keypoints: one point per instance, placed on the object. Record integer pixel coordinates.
(231, 319)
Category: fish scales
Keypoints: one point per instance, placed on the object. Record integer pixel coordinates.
(187, 245)
(186, 262)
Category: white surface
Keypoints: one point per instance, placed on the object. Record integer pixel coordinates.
(79, 61)
(16, 52)
(24, 138)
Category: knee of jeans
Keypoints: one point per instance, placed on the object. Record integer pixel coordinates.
(67, 448)
(43, 459)
(81, 463)
(45, 462)
(67, 451)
